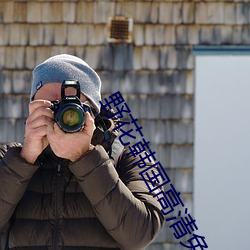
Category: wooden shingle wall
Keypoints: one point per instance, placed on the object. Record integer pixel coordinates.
(155, 74)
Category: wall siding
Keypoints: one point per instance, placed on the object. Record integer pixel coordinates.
(155, 73)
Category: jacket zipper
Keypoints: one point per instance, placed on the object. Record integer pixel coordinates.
(56, 232)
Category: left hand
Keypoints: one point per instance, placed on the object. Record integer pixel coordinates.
(71, 146)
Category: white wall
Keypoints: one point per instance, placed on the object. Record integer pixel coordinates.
(222, 151)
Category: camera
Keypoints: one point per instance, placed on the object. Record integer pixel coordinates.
(70, 112)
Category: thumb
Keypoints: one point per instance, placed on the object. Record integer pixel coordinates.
(50, 129)
(89, 124)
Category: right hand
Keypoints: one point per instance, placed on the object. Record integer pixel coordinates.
(35, 140)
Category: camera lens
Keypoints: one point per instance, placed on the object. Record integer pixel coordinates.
(70, 117)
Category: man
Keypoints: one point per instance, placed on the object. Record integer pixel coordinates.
(62, 190)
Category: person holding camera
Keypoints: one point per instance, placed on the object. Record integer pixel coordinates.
(67, 186)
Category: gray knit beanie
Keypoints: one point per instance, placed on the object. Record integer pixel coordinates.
(67, 67)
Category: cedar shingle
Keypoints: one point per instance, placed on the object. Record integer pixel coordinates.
(106, 60)
(4, 31)
(193, 34)
(182, 156)
(7, 11)
(19, 57)
(57, 12)
(7, 131)
(159, 85)
(149, 34)
(170, 13)
(188, 12)
(34, 12)
(20, 11)
(237, 34)
(125, 8)
(154, 14)
(165, 13)
(119, 53)
(36, 34)
(6, 84)
(183, 179)
(164, 156)
(92, 55)
(150, 58)
(96, 35)
(1, 12)
(49, 33)
(242, 13)
(170, 35)
(172, 62)
(12, 106)
(153, 107)
(77, 34)
(143, 12)
(106, 82)
(128, 83)
(7, 61)
(47, 14)
(177, 82)
(142, 85)
(30, 55)
(137, 61)
(59, 50)
(189, 82)
(133, 103)
(215, 13)
(102, 10)
(182, 34)
(187, 107)
(60, 34)
(68, 12)
(142, 108)
(229, 13)
(165, 107)
(206, 35)
(246, 35)
(85, 12)
(176, 107)
(201, 13)
(138, 34)
(19, 130)
(159, 35)
(183, 132)
(21, 82)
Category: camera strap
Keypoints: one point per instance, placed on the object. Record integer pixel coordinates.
(115, 147)
(116, 151)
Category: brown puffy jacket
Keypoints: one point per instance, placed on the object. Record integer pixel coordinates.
(90, 204)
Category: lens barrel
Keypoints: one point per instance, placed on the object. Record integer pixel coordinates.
(70, 117)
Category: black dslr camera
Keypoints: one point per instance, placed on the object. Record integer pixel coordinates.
(70, 111)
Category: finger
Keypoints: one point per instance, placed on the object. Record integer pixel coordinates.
(89, 124)
(58, 131)
(33, 121)
(50, 130)
(54, 133)
(38, 103)
(41, 111)
(37, 132)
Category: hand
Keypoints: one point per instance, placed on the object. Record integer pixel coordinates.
(35, 141)
(71, 146)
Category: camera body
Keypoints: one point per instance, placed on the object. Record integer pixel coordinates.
(70, 112)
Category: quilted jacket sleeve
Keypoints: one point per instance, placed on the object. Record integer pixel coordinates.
(15, 174)
(120, 198)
